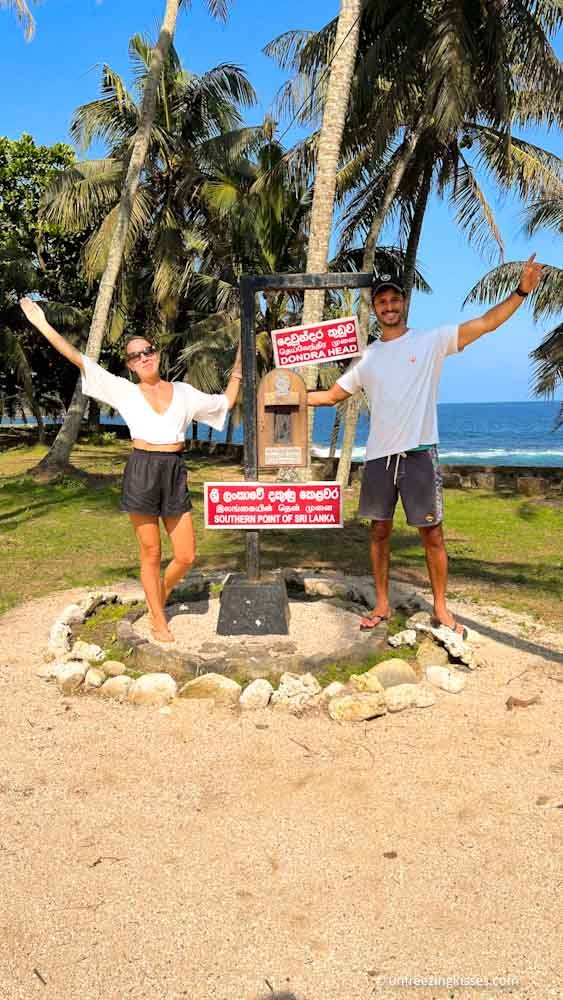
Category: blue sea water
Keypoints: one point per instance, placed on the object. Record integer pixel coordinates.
(475, 433)
(470, 433)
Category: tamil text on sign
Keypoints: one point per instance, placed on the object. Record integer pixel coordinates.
(311, 345)
(273, 505)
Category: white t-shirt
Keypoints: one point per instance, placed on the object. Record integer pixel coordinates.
(170, 427)
(400, 379)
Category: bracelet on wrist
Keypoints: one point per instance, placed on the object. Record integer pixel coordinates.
(522, 294)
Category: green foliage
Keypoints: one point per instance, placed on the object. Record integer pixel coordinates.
(100, 628)
(343, 671)
(35, 257)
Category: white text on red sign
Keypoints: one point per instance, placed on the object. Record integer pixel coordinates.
(308, 345)
(255, 506)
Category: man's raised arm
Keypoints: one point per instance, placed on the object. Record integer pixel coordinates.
(495, 317)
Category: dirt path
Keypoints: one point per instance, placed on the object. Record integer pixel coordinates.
(205, 854)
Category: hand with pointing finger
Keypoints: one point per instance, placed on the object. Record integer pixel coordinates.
(531, 275)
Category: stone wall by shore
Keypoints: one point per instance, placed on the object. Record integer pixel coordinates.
(528, 480)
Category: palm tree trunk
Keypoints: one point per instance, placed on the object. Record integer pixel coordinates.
(354, 403)
(93, 417)
(24, 370)
(230, 428)
(59, 453)
(415, 234)
(210, 433)
(328, 155)
(340, 410)
(38, 416)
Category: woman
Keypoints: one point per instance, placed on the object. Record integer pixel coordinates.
(157, 414)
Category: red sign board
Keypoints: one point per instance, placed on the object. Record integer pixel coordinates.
(254, 506)
(311, 345)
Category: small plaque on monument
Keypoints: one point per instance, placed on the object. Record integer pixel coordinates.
(282, 420)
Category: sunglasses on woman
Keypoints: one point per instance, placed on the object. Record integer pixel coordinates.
(147, 352)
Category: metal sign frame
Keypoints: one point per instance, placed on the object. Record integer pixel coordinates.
(250, 285)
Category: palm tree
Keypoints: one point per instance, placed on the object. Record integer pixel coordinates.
(341, 61)
(23, 15)
(58, 455)
(197, 129)
(429, 74)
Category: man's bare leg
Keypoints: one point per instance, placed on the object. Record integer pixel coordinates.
(379, 547)
(148, 537)
(437, 562)
(181, 533)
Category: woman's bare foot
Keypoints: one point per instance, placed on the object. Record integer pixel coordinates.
(161, 633)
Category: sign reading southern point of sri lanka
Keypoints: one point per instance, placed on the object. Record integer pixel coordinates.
(273, 505)
(311, 345)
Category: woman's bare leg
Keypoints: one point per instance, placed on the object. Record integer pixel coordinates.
(148, 537)
(181, 533)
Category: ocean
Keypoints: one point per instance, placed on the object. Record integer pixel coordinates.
(470, 433)
(474, 433)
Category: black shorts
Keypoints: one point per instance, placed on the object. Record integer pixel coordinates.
(155, 483)
(414, 476)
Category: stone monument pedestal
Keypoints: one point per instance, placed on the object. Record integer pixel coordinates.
(254, 607)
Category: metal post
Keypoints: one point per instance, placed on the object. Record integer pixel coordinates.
(248, 341)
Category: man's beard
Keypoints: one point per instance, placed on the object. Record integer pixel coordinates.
(395, 320)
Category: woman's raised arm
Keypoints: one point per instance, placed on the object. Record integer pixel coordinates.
(36, 317)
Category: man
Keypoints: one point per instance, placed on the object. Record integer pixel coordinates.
(400, 374)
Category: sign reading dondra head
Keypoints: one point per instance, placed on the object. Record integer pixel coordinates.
(331, 340)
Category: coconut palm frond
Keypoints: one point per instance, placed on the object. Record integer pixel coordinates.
(97, 247)
(546, 211)
(169, 264)
(517, 162)
(23, 16)
(111, 118)
(548, 364)
(546, 300)
(233, 145)
(451, 54)
(473, 212)
(80, 195)
(286, 49)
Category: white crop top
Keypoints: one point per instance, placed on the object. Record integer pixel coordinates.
(170, 427)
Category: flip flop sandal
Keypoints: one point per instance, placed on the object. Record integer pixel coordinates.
(455, 627)
(372, 621)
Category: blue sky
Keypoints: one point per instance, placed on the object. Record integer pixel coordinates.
(47, 78)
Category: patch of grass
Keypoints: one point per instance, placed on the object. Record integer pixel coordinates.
(100, 628)
(115, 649)
(104, 615)
(243, 679)
(397, 623)
(343, 671)
(503, 549)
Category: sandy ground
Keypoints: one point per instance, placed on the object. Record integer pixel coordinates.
(209, 854)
